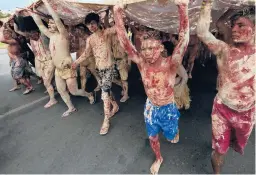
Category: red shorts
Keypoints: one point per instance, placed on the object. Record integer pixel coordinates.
(230, 128)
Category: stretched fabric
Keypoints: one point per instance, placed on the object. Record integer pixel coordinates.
(162, 16)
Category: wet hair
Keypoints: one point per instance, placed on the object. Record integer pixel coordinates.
(1, 23)
(152, 34)
(248, 13)
(92, 17)
(169, 47)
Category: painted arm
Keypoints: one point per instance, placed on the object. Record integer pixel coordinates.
(122, 35)
(86, 54)
(56, 19)
(214, 45)
(40, 24)
(106, 19)
(183, 40)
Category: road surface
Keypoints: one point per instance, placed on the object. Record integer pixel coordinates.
(35, 140)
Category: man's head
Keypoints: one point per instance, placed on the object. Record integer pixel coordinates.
(151, 50)
(81, 29)
(52, 25)
(243, 26)
(92, 22)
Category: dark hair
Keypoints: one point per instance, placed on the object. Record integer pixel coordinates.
(169, 46)
(92, 17)
(82, 26)
(27, 23)
(1, 23)
(248, 12)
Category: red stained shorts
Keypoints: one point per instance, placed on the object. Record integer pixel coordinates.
(230, 128)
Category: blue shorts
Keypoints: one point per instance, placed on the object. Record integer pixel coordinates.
(164, 118)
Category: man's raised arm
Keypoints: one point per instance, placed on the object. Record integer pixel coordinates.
(56, 19)
(122, 35)
(214, 45)
(183, 40)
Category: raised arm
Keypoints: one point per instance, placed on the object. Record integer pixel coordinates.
(183, 40)
(214, 45)
(122, 35)
(56, 19)
(40, 24)
(106, 19)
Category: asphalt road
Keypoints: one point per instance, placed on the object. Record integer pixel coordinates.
(35, 140)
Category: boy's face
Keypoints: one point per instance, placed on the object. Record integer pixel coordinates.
(242, 30)
(151, 50)
(92, 26)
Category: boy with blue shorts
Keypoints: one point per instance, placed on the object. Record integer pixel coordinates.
(158, 76)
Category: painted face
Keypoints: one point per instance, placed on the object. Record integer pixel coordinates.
(34, 35)
(242, 30)
(151, 50)
(52, 26)
(92, 26)
(78, 31)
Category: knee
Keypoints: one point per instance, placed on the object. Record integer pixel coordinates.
(153, 138)
(73, 91)
(47, 83)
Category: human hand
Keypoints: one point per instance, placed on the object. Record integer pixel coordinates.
(74, 65)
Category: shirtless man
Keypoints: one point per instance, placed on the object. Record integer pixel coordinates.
(98, 45)
(44, 64)
(234, 105)
(18, 64)
(88, 65)
(60, 53)
(158, 76)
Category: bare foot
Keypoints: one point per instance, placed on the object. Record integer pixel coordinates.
(124, 98)
(115, 109)
(14, 89)
(156, 166)
(50, 103)
(68, 112)
(28, 90)
(105, 127)
(176, 138)
(97, 89)
(92, 98)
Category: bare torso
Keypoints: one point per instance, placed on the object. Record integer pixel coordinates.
(159, 80)
(100, 44)
(59, 48)
(237, 73)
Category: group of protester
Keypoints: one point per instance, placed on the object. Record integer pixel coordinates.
(106, 49)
